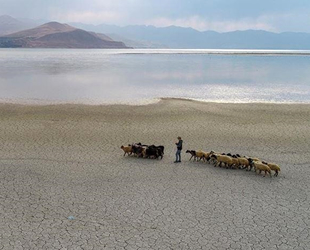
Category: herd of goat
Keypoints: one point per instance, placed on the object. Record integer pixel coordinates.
(218, 159)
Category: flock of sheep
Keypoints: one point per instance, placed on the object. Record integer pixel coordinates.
(218, 159)
(145, 151)
(235, 161)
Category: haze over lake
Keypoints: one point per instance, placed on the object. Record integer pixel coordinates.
(142, 76)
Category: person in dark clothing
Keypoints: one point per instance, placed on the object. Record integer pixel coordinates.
(179, 149)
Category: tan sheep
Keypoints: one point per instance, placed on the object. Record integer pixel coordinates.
(206, 156)
(212, 160)
(273, 167)
(199, 155)
(260, 166)
(227, 160)
(235, 162)
(127, 150)
(243, 162)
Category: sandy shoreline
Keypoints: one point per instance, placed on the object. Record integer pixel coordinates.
(62, 160)
(138, 102)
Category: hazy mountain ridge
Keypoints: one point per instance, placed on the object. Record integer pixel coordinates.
(142, 36)
(57, 35)
(188, 38)
(9, 25)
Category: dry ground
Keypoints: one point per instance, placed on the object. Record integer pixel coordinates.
(65, 160)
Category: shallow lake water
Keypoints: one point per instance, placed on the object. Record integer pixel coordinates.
(143, 76)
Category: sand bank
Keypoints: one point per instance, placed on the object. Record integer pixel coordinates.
(65, 160)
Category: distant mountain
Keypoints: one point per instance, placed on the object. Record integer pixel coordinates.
(42, 30)
(188, 38)
(139, 36)
(57, 35)
(9, 25)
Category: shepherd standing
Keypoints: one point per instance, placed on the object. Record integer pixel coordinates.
(179, 149)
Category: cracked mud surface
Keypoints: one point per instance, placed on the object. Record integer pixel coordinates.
(65, 160)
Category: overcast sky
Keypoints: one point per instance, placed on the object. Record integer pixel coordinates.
(218, 15)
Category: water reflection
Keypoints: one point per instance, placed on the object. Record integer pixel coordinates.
(97, 76)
